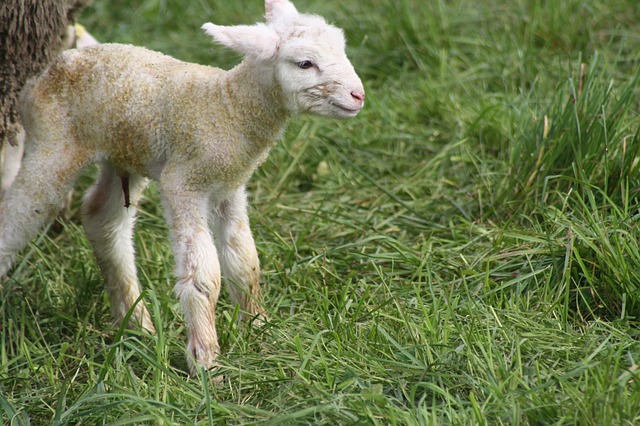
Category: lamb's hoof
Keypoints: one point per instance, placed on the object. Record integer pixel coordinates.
(147, 325)
(202, 356)
(139, 321)
(255, 317)
(258, 321)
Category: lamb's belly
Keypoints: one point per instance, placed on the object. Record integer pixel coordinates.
(220, 169)
(217, 182)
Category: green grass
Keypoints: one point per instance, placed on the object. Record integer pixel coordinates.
(465, 251)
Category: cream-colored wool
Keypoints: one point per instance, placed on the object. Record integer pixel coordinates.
(199, 131)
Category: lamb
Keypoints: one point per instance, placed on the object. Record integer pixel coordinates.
(199, 131)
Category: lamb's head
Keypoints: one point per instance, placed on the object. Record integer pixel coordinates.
(308, 55)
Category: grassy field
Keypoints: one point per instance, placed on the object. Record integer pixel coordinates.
(465, 251)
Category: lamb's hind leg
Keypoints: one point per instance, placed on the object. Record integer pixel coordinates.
(109, 227)
(238, 255)
(46, 175)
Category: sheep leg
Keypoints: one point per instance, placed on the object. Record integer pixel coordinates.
(197, 271)
(238, 254)
(109, 228)
(47, 173)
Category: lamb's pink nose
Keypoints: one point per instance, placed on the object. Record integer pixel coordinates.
(358, 94)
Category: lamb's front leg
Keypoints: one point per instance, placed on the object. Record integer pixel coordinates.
(238, 255)
(197, 270)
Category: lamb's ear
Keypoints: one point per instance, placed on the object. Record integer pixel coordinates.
(277, 10)
(257, 40)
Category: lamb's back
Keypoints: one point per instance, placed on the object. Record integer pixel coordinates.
(118, 99)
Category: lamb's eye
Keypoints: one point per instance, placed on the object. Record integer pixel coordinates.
(304, 64)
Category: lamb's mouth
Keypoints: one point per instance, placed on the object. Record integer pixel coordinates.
(346, 109)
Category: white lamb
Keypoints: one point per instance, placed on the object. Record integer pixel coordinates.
(199, 131)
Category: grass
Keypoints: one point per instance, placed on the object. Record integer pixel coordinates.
(466, 251)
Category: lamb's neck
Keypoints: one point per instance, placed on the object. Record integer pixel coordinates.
(255, 102)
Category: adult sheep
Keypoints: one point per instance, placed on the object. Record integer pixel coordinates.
(199, 131)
